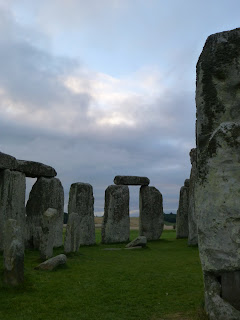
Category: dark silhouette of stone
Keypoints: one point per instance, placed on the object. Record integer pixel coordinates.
(116, 222)
(131, 180)
(182, 213)
(151, 219)
(7, 161)
(34, 169)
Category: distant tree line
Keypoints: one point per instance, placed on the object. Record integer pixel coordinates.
(170, 217)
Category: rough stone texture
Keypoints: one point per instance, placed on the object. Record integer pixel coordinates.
(72, 235)
(46, 193)
(34, 169)
(151, 219)
(192, 217)
(182, 213)
(131, 180)
(81, 201)
(52, 263)
(140, 241)
(218, 156)
(7, 161)
(116, 222)
(47, 237)
(12, 204)
(13, 254)
(231, 288)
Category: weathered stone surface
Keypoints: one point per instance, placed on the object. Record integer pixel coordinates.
(12, 204)
(182, 213)
(116, 222)
(81, 201)
(72, 235)
(7, 161)
(218, 182)
(131, 180)
(140, 241)
(151, 219)
(47, 236)
(13, 254)
(52, 263)
(192, 217)
(34, 169)
(230, 282)
(46, 193)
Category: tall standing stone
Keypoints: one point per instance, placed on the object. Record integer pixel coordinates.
(218, 186)
(13, 254)
(81, 201)
(116, 221)
(192, 217)
(182, 213)
(12, 200)
(151, 219)
(72, 235)
(46, 193)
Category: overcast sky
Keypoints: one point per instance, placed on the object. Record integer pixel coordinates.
(98, 88)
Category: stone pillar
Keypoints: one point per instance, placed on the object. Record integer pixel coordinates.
(182, 213)
(48, 232)
(218, 184)
(151, 219)
(116, 222)
(72, 235)
(192, 218)
(81, 201)
(13, 254)
(46, 193)
(12, 202)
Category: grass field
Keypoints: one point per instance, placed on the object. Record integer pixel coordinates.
(163, 281)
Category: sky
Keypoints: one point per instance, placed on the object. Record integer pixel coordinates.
(101, 88)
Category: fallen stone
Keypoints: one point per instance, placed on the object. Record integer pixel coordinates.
(12, 204)
(34, 169)
(48, 233)
(46, 193)
(182, 212)
(151, 219)
(81, 201)
(13, 254)
(139, 241)
(192, 217)
(72, 235)
(52, 263)
(116, 222)
(7, 161)
(218, 181)
(131, 180)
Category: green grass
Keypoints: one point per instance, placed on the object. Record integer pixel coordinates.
(163, 281)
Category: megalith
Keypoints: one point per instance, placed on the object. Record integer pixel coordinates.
(131, 180)
(47, 236)
(72, 235)
(218, 184)
(13, 254)
(116, 221)
(81, 201)
(151, 219)
(12, 204)
(192, 217)
(182, 212)
(46, 193)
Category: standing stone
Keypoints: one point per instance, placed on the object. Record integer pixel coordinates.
(116, 222)
(12, 203)
(47, 236)
(46, 193)
(7, 161)
(131, 180)
(81, 201)
(218, 185)
(151, 219)
(72, 236)
(13, 254)
(192, 218)
(182, 213)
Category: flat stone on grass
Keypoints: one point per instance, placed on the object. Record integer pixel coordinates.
(52, 263)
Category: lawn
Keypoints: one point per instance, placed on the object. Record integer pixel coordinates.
(163, 281)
